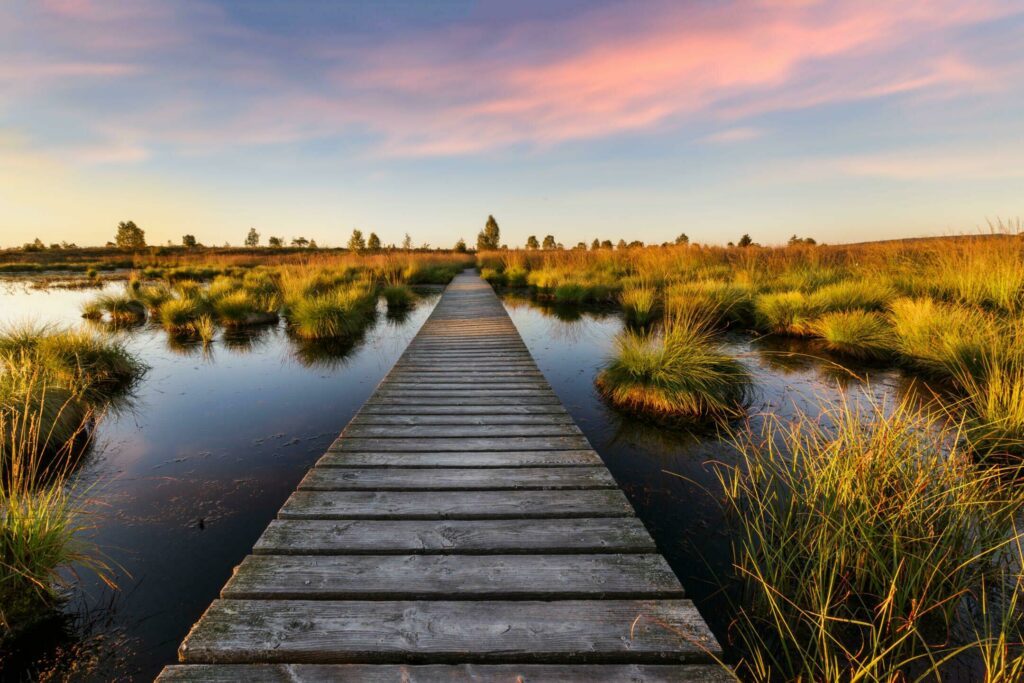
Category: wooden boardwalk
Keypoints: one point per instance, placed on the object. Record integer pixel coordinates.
(460, 529)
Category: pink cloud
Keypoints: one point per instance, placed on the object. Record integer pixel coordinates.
(471, 87)
(724, 61)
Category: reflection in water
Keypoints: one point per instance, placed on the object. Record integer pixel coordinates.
(188, 471)
(669, 476)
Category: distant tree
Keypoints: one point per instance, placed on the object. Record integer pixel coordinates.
(356, 241)
(549, 242)
(373, 242)
(460, 246)
(621, 244)
(635, 244)
(188, 241)
(595, 245)
(300, 242)
(606, 244)
(682, 239)
(795, 241)
(275, 242)
(68, 245)
(731, 244)
(130, 236)
(581, 246)
(253, 238)
(745, 241)
(407, 242)
(490, 236)
(312, 244)
(532, 243)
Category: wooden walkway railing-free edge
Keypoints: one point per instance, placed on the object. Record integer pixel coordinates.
(460, 529)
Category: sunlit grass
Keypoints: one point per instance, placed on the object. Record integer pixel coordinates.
(856, 538)
(858, 334)
(680, 374)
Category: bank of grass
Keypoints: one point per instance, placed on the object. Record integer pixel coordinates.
(937, 307)
(42, 513)
(677, 375)
(313, 294)
(84, 362)
(860, 539)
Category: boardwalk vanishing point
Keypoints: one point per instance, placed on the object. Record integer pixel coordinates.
(460, 529)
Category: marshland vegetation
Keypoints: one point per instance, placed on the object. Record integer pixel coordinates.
(870, 540)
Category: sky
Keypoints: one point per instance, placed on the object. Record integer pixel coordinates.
(844, 121)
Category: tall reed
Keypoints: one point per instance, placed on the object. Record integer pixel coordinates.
(858, 535)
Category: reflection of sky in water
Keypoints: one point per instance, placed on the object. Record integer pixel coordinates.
(680, 511)
(187, 477)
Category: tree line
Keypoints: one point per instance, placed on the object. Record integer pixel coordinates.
(131, 236)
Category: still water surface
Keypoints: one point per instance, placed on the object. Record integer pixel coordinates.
(215, 440)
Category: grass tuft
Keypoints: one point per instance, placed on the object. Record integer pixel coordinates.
(865, 335)
(678, 375)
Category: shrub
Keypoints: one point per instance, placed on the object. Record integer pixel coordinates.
(679, 375)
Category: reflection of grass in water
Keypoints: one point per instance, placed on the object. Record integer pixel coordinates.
(325, 354)
(247, 339)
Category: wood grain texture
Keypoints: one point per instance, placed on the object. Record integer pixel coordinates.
(445, 673)
(471, 537)
(459, 431)
(447, 577)
(462, 459)
(461, 505)
(361, 631)
(497, 443)
(455, 478)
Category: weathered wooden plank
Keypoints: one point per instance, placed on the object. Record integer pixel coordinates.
(351, 631)
(453, 577)
(497, 443)
(459, 431)
(455, 478)
(380, 408)
(445, 673)
(458, 376)
(478, 537)
(460, 400)
(494, 419)
(388, 390)
(462, 459)
(524, 504)
(469, 383)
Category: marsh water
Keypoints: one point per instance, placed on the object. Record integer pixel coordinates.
(185, 477)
